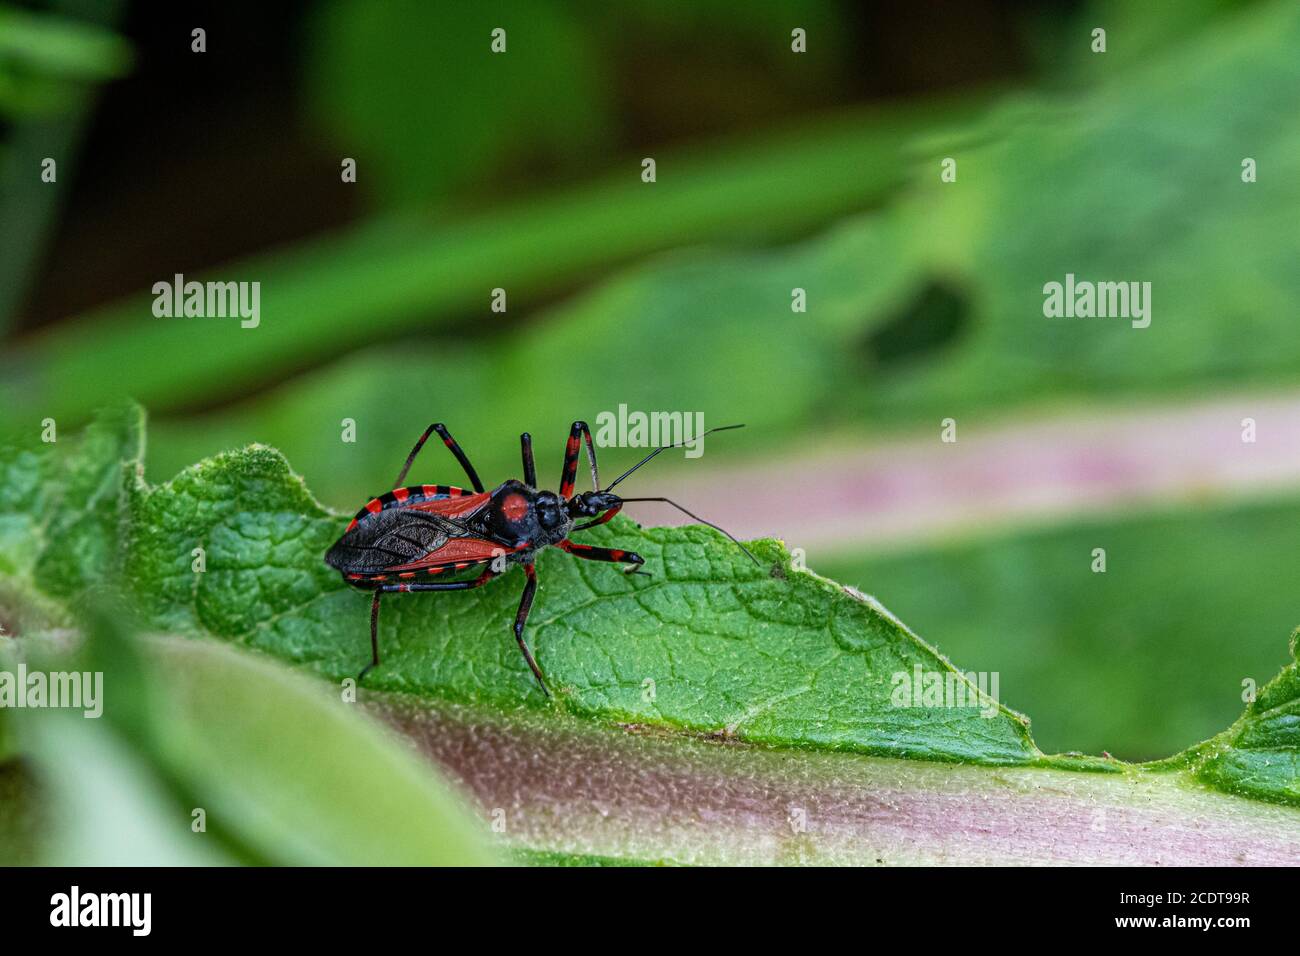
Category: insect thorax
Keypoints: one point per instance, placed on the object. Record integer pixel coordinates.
(521, 514)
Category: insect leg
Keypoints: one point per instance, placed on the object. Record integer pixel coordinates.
(525, 604)
(578, 432)
(530, 467)
(455, 449)
(487, 575)
(401, 475)
(591, 553)
(598, 521)
(374, 637)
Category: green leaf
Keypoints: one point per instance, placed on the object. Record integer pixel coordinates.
(61, 508)
(61, 502)
(806, 663)
(1259, 756)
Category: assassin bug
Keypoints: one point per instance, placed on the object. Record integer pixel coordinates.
(425, 530)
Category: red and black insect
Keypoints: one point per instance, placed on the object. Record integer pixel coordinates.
(420, 531)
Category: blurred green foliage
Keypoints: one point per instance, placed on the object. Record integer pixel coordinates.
(47, 60)
(924, 298)
(207, 754)
(413, 89)
(21, 819)
(1139, 660)
(1135, 32)
(416, 89)
(395, 275)
(50, 65)
(713, 330)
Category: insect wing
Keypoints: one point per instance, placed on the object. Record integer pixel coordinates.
(455, 506)
(395, 537)
(457, 551)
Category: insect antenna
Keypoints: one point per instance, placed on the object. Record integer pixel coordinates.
(720, 428)
(669, 501)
